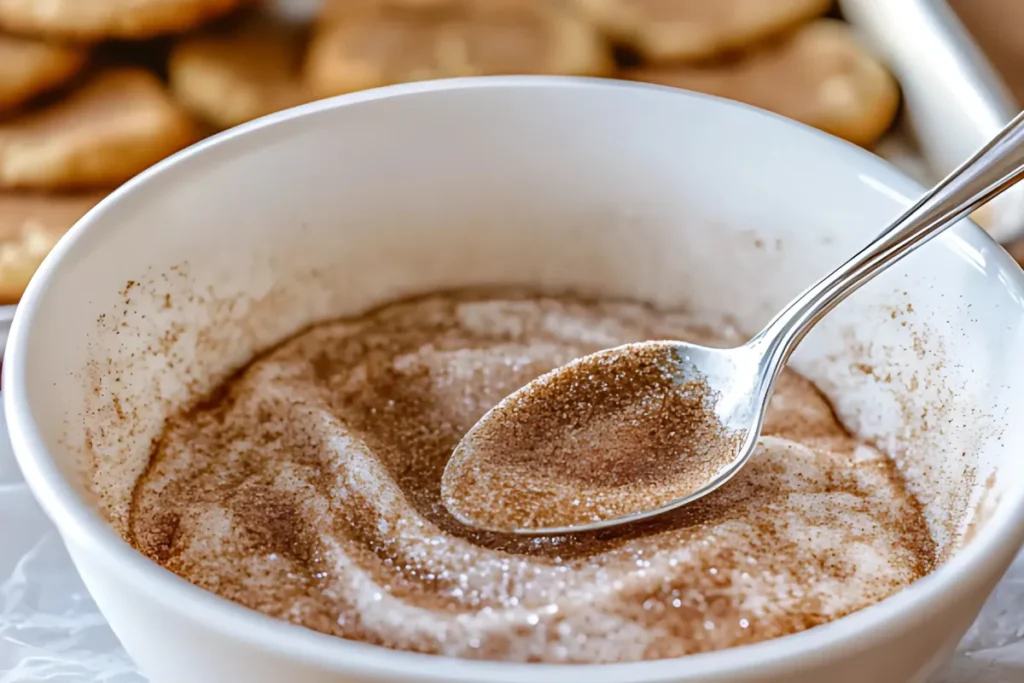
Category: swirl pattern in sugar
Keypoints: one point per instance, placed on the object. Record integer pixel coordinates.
(308, 488)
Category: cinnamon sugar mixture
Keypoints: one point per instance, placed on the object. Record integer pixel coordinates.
(620, 432)
(309, 489)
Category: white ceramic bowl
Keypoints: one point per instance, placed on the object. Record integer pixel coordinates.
(605, 188)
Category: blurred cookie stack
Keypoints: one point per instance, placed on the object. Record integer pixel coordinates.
(94, 91)
(779, 55)
(75, 121)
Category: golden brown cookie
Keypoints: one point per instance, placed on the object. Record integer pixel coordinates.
(91, 20)
(119, 123)
(688, 30)
(331, 10)
(30, 225)
(228, 79)
(819, 75)
(29, 67)
(358, 49)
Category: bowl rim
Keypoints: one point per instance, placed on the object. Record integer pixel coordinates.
(960, 576)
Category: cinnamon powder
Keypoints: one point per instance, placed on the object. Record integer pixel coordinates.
(621, 432)
(309, 488)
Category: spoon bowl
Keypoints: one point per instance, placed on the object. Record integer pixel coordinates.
(559, 455)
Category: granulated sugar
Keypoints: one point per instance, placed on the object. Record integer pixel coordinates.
(620, 432)
(309, 489)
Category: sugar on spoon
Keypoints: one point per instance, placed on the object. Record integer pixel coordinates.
(635, 431)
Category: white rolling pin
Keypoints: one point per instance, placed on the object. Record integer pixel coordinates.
(954, 101)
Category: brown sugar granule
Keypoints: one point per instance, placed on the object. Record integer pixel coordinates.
(309, 488)
(620, 432)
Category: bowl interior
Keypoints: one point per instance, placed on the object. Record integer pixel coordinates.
(619, 190)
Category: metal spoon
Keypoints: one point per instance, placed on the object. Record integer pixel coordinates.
(538, 462)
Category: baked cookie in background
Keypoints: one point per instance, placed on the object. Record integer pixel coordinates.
(116, 125)
(93, 131)
(95, 20)
(30, 67)
(30, 225)
(694, 30)
(365, 46)
(818, 74)
(233, 76)
(329, 10)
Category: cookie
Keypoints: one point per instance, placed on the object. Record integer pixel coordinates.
(690, 30)
(228, 79)
(331, 10)
(93, 20)
(30, 225)
(116, 125)
(355, 49)
(819, 75)
(29, 67)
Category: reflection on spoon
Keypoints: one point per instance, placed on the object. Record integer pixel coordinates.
(613, 434)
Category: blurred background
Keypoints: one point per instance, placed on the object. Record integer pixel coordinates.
(93, 92)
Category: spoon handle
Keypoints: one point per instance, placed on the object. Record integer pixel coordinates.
(993, 169)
